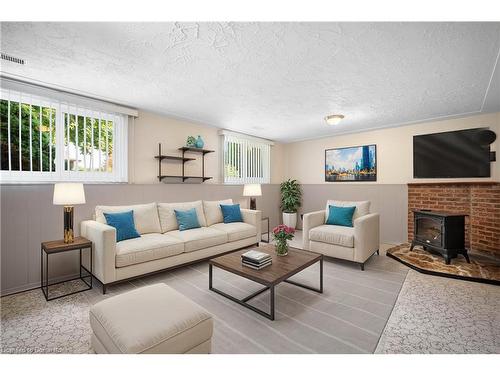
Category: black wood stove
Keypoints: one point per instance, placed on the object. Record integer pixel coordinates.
(440, 232)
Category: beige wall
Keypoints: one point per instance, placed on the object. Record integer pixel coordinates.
(149, 129)
(305, 160)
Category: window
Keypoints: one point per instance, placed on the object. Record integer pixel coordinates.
(246, 159)
(45, 140)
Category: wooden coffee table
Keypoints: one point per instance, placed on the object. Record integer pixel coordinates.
(280, 270)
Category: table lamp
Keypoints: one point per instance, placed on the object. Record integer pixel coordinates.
(67, 195)
(252, 191)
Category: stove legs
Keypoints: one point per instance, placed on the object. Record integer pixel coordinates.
(447, 259)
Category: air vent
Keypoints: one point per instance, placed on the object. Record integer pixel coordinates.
(13, 59)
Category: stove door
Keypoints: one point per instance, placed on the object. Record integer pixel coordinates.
(429, 230)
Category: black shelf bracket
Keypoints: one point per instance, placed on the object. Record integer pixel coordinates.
(184, 159)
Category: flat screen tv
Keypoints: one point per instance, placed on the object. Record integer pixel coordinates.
(454, 154)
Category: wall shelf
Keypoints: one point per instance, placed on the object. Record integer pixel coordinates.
(194, 149)
(160, 157)
(184, 178)
(168, 157)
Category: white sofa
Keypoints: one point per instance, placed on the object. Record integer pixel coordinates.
(161, 245)
(356, 243)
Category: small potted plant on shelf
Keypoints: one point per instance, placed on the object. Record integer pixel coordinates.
(281, 234)
(291, 196)
(191, 141)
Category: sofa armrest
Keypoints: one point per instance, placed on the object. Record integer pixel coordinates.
(366, 236)
(253, 217)
(103, 237)
(310, 221)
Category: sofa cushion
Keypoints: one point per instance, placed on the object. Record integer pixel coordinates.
(199, 238)
(213, 212)
(187, 219)
(123, 222)
(168, 221)
(151, 319)
(333, 234)
(147, 247)
(145, 216)
(362, 207)
(236, 231)
(231, 213)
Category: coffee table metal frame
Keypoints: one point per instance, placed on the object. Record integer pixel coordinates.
(267, 286)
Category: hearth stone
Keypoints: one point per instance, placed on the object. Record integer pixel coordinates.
(440, 232)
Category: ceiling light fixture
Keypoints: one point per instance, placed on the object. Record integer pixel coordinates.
(333, 119)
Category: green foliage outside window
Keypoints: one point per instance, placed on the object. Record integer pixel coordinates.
(42, 132)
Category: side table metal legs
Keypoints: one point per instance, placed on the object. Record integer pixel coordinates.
(44, 279)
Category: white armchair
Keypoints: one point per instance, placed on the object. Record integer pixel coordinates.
(356, 243)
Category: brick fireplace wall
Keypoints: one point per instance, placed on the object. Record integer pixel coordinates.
(481, 201)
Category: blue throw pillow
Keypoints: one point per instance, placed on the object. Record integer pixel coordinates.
(340, 216)
(124, 224)
(231, 213)
(187, 219)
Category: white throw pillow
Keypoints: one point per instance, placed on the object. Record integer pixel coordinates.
(362, 208)
(213, 212)
(145, 216)
(168, 220)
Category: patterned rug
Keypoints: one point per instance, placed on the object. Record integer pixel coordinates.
(482, 268)
(439, 315)
(348, 317)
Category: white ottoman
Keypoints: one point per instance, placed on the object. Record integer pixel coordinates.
(152, 319)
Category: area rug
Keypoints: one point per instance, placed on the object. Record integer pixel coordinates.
(439, 315)
(482, 268)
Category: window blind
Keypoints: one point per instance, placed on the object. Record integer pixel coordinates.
(245, 160)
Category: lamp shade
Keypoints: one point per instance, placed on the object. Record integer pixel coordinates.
(68, 194)
(252, 190)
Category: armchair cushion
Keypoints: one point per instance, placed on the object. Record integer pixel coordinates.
(333, 234)
(362, 207)
(340, 216)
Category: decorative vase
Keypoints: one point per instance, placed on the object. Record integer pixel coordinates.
(290, 219)
(281, 248)
(191, 141)
(199, 142)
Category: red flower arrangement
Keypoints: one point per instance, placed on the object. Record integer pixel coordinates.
(281, 234)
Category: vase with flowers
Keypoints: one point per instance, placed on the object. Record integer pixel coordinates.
(281, 235)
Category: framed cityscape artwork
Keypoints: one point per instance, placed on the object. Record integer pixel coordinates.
(351, 164)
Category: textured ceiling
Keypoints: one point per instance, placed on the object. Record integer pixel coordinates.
(274, 80)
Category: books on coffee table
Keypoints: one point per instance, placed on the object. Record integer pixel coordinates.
(256, 259)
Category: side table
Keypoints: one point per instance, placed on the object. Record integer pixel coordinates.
(268, 231)
(54, 247)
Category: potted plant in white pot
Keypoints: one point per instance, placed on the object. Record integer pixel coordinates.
(291, 196)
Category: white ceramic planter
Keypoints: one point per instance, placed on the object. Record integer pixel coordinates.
(290, 220)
